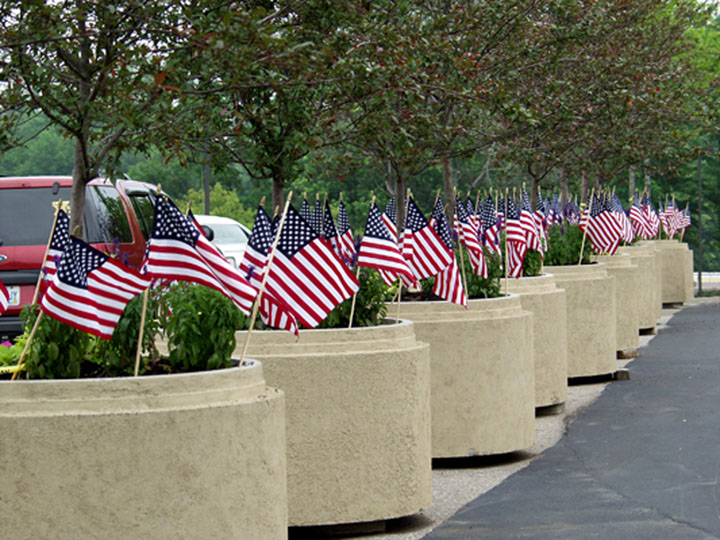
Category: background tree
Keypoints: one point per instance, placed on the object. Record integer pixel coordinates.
(94, 70)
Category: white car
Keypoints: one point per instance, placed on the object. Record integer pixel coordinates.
(229, 236)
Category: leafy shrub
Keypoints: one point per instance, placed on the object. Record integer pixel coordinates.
(564, 243)
(201, 328)
(532, 264)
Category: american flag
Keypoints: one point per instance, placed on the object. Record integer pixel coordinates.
(541, 223)
(59, 242)
(316, 217)
(195, 222)
(178, 251)
(650, 214)
(425, 252)
(663, 216)
(490, 227)
(4, 298)
(390, 216)
(252, 265)
(329, 231)
(347, 243)
(686, 220)
(90, 290)
(306, 274)
(273, 311)
(305, 210)
(448, 283)
(378, 249)
(527, 221)
(618, 210)
(638, 219)
(515, 237)
(469, 235)
(603, 230)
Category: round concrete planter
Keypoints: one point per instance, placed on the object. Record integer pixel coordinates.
(199, 455)
(590, 295)
(676, 270)
(547, 303)
(358, 420)
(483, 378)
(649, 282)
(627, 301)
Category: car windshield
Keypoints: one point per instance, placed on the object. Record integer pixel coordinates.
(26, 215)
(228, 233)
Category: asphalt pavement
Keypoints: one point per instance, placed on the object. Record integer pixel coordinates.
(641, 462)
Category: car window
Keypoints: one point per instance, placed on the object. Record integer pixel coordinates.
(26, 215)
(228, 234)
(144, 205)
(105, 217)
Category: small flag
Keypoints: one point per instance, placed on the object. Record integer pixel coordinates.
(379, 250)
(306, 274)
(90, 290)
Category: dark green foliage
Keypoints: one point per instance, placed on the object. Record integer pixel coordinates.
(201, 330)
(564, 243)
(532, 264)
(478, 287)
(57, 351)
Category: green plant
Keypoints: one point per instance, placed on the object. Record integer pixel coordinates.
(564, 243)
(532, 266)
(201, 328)
(57, 351)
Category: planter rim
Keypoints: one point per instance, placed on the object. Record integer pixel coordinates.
(494, 298)
(248, 365)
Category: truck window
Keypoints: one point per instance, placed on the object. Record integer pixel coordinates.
(105, 217)
(26, 215)
(143, 203)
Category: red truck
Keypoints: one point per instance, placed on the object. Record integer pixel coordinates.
(118, 219)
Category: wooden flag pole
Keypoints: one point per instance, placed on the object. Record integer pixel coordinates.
(352, 307)
(357, 273)
(582, 246)
(27, 344)
(47, 250)
(400, 284)
(505, 220)
(138, 354)
(146, 293)
(271, 256)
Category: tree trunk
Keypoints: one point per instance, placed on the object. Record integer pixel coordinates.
(206, 178)
(631, 182)
(583, 187)
(278, 193)
(449, 188)
(564, 196)
(77, 195)
(534, 192)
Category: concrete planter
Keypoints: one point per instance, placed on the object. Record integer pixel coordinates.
(649, 284)
(547, 303)
(483, 377)
(676, 270)
(198, 455)
(627, 301)
(358, 420)
(590, 294)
